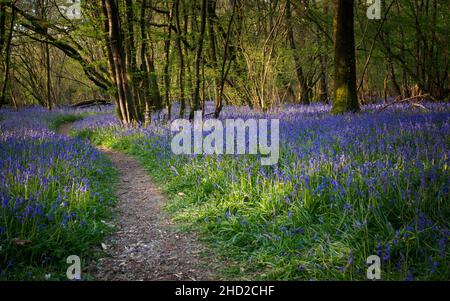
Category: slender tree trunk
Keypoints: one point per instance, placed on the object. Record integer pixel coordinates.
(2, 26)
(155, 95)
(49, 77)
(14, 101)
(154, 87)
(112, 69)
(405, 82)
(7, 60)
(225, 69)
(189, 77)
(119, 63)
(385, 87)
(203, 97)
(145, 79)
(198, 60)
(397, 88)
(167, 79)
(323, 82)
(41, 9)
(181, 58)
(213, 49)
(345, 97)
(324, 97)
(131, 64)
(152, 97)
(304, 89)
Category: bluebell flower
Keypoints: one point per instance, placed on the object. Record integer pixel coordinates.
(387, 253)
(9, 264)
(347, 207)
(409, 276)
(350, 258)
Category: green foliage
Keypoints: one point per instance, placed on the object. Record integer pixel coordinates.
(56, 194)
(59, 120)
(297, 229)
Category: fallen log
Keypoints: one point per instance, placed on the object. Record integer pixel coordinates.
(90, 103)
(416, 103)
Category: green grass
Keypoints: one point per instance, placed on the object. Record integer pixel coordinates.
(55, 122)
(58, 202)
(269, 229)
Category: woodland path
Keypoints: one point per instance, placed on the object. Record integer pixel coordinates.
(146, 246)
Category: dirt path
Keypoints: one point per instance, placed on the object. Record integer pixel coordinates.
(146, 246)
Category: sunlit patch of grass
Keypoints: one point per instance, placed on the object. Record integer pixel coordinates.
(56, 122)
(376, 186)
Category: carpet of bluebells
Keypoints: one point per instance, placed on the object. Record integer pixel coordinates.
(53, 195)
(346, 187)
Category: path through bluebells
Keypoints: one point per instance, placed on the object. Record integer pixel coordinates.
(145, 246)
(347, 187)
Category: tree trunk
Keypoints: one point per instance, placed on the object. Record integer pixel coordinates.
(189, 77)
(213, 48)
(167, 79)
(181, 58)
(7, 56)
(131, 69)
(345, 97)
(155, 95)
(304, 89)
(323, 82)
(198, 61)
(2, 26)
(145, 79)
(49, 77)
(112, 70)
(41, 9)
(225, 69)
(119, 63)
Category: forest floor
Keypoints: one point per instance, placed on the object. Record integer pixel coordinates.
(147, 245)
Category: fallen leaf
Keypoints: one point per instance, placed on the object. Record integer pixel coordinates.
(107, 224)
(104, 246)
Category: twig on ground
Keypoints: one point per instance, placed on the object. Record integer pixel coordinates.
(409, 99)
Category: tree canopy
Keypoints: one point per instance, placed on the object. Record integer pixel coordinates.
(145, 55)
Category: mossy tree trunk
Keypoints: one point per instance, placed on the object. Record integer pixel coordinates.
(345, 97)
